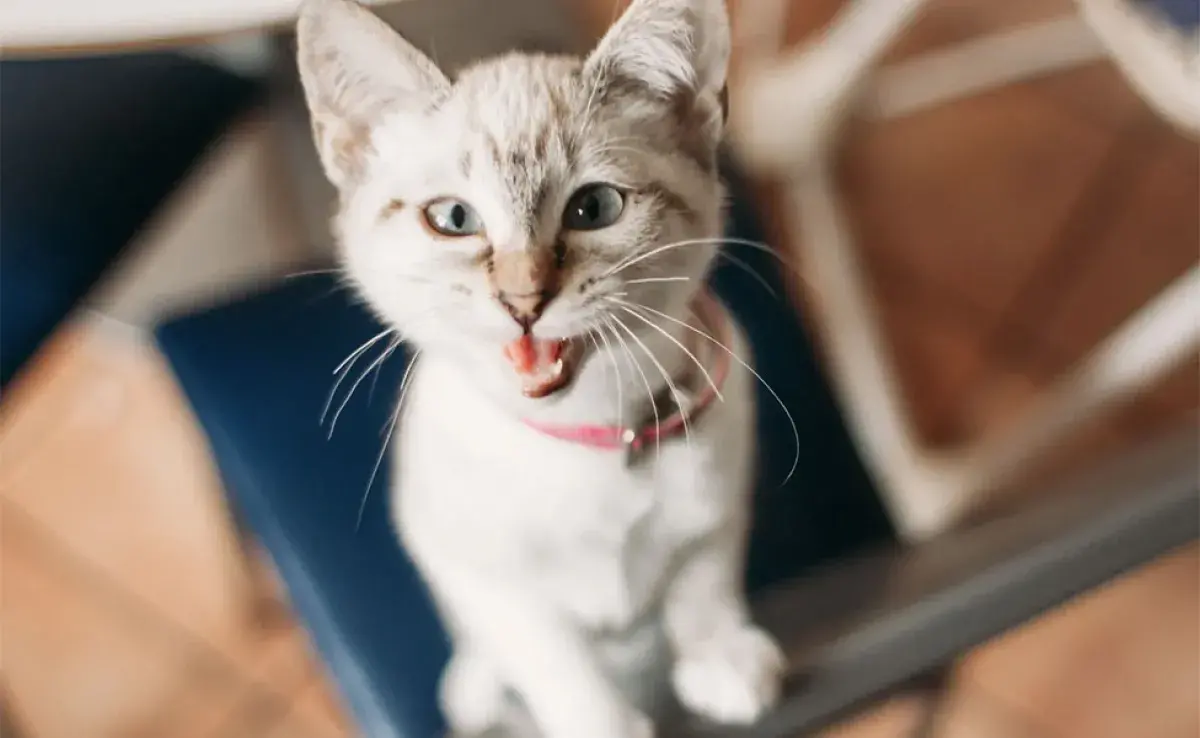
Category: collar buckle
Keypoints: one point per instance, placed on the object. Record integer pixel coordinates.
(629, 442)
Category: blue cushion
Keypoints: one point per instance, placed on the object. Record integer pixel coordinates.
(91, 146)
(257, 373)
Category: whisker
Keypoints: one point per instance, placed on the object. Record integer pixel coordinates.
(640, 256)
(311, 273)
(587, 110)
(616, 368)
(741, 264)
(346, 400)
(379, 370)
(609, 318)
(358, 351)
(643, 254)
(326, 294)
(405, 382)
(618, 143)
(687, 433)
(348, 364)
(611, 149)
(612, 366)
(756, 245)
(678, 343)
(747, 367)
(655, 280)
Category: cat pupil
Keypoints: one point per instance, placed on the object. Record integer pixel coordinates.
(591, 207)
(458, 216)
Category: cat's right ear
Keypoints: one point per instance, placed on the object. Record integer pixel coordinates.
(356, 70)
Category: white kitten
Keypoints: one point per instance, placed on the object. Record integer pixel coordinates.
(540, 228)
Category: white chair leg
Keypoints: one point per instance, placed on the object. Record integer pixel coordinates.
(1160, 65)
(786, 113)
(925, 492)
(1157, 339)
(918, 489)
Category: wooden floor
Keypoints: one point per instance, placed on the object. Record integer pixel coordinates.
(1005, 235)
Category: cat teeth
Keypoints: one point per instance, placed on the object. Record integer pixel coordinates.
(553, 371)
(546, 374)
(545, 380)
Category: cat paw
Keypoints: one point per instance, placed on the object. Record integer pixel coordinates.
(472, 695)
(732, 678)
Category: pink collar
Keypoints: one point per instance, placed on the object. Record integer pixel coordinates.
(633, 439)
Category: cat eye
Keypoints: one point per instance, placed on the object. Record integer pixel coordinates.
(593, 207)
(452, 217)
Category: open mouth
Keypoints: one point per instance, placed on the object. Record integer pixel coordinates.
(543, 365)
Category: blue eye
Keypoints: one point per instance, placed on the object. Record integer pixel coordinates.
(593, 207)
(452, 217)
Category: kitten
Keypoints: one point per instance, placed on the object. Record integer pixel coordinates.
(540, 229)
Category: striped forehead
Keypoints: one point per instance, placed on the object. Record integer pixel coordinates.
(522, 133)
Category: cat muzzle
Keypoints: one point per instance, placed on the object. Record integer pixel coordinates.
(675, 408)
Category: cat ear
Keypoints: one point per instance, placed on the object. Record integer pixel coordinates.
(669, 46)
(356, 69)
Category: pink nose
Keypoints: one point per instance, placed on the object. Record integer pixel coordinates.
(524, 308)
(524, 282)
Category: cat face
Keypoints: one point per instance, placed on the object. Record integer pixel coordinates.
(510, 217)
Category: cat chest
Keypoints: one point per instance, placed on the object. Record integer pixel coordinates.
(609, 506)
(608, 561)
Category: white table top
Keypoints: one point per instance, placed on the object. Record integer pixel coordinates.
(61, 25)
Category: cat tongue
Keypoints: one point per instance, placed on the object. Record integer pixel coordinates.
(532, 356)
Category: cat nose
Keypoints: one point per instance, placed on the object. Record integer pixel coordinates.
(524, 283)
(524, 308)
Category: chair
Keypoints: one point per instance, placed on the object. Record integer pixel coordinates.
(861, 616)
(788, 112)
(92, 146)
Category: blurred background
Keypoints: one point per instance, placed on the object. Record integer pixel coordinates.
(1003, 235)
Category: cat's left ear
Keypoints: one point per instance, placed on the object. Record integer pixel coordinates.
(668, 47)
(355, 70)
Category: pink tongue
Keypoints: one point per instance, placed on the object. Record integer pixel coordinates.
(528, 354)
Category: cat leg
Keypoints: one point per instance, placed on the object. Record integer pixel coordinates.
(544, 657)
(726, 669)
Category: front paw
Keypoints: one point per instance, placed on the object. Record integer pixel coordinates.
(731, 678)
